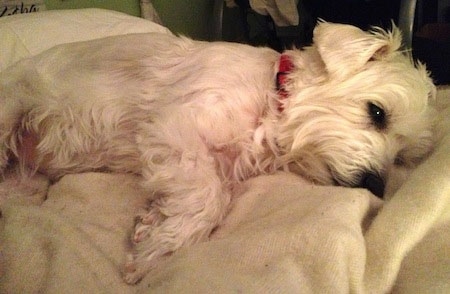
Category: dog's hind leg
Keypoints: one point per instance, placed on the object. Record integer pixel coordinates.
(190, 198)
(18, 91)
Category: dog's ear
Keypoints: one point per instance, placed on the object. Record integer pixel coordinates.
(345, 49)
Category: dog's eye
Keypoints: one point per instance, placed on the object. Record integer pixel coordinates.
(399, 161)
(377, 116)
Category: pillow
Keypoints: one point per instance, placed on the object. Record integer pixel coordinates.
(26, 35)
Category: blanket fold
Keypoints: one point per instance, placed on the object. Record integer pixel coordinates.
(75, 241)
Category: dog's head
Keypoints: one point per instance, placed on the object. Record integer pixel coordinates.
(356, 105)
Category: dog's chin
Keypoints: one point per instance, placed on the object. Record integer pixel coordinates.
(370, 180)
(319, 174)
(373, 181)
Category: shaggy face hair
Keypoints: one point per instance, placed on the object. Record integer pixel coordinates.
(194, 118)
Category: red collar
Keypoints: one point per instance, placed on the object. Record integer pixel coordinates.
(285, 67)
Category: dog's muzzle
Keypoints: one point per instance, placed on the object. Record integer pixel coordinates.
(372, 182)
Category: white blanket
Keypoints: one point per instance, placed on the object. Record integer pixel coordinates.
(282, 235)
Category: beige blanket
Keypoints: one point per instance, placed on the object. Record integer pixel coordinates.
(283, 235)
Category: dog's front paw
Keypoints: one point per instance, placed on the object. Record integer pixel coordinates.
(132, 272)
(141, 231)
(168, 225)
(147, 249)
(137, 266)
(132, 278)
(145, 223)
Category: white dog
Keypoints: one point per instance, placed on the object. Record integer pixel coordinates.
(194, 118)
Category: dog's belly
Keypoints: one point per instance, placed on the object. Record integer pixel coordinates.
(123, 156)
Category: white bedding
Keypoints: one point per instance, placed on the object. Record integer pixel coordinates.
(283, 235)
(27, 35)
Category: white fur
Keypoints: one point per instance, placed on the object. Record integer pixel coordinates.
(193, 118)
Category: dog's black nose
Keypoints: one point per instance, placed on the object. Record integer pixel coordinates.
(372, 182)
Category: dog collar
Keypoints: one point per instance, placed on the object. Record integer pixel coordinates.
(284, 68)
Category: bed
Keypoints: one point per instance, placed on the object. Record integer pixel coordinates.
(283, 235)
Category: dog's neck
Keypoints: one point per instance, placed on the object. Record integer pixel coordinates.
(284, 68)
